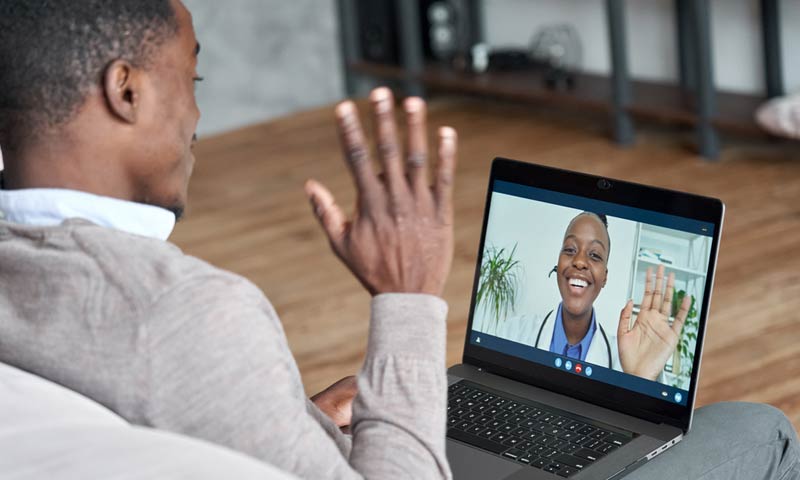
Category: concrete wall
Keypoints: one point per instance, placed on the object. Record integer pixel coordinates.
(266, 58)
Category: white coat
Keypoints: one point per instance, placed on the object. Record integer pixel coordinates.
(525, 328)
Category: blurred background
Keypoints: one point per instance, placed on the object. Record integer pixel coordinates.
(265, 58)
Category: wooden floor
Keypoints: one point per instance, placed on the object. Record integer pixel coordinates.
(248, 214)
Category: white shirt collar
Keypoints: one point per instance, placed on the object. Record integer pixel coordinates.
(51, 206)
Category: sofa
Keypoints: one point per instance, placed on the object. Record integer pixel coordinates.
(50, 432)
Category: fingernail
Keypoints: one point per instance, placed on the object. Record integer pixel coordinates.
(345, 108)
(380, 94)
(413, 104)
(447, 133)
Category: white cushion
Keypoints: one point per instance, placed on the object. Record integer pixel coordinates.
(48, 431)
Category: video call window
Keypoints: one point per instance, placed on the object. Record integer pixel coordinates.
(545, 265)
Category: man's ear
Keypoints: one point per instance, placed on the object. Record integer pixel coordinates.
(605, 280)
(121, 89)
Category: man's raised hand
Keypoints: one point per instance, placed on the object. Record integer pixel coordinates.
(400, 238)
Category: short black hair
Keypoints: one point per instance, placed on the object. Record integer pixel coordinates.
(53, 51)
(604, 220)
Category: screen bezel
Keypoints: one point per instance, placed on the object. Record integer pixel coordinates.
(687, 205)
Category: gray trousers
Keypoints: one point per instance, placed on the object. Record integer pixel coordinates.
(730, 441)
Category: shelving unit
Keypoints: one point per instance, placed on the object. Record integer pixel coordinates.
(690, 255)
(693, 101)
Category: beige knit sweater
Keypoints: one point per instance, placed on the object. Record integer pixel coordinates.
(168, 341)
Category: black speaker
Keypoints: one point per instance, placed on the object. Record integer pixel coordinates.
(377, 20)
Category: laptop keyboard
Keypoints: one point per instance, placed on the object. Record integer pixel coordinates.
(527, 432)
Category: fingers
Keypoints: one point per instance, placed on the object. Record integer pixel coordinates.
(329, 214)
(445, 173)
(658, 294)
(388, 146)
(354, 146)
(647, 299)
(625, 319)
(666, 304)
(417, 143)
(680, 318)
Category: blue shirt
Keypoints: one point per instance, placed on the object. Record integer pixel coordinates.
(561, 346)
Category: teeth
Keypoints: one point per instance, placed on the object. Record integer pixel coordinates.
(577, 282)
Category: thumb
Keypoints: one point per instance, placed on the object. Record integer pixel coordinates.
(328, 213)
(625, 319)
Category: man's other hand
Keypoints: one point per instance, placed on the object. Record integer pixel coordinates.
(336, 401)
(400, 239)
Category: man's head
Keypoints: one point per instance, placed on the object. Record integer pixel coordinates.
(98, 95)
(583, 262)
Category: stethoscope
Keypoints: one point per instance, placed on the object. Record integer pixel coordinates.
(550, 313)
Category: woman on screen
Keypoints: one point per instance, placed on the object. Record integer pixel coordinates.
(572, 330)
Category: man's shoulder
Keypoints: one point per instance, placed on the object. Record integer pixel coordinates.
(149, 268)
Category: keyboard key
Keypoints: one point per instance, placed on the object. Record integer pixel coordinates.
(520, 432)
(537, 450)
(452, 421)
(591, 443)
(488, 433)
(524, 410)
(517, 419)
(588, 454)
(495, 423)
(574, 426)
(547, 417)
(500, 437)
(568, 436)
(511, 406)
(540, 462)
(480, 408)
(512, 441)
(483, 420)
(464, 426)
(492, 411)
(504, 415)
(572, 461)
(566, 472)
(525, 445)
(600, 434)
(551, 468)
(549, 453)
(606, 448)
(477, 441)
(513, 454)
(507, 428)
(554, 431)
(570, 448)
(476, 429)
(559, 444)
(526, 458)
(617, 439)
(587, 430)
(470, 416)
(560, 421)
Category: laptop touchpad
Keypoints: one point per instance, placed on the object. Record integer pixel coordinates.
(470, 463)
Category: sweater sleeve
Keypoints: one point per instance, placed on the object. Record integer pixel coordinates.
(220, 369)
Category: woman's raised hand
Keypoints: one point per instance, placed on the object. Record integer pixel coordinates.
(645, 347)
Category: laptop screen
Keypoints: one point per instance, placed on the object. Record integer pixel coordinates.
(563, 283)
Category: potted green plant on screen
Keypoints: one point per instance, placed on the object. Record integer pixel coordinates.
(499, 281)
(688, 334)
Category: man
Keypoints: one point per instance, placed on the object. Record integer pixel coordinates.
(97, 117)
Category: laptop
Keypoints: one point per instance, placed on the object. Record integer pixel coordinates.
(561, 375)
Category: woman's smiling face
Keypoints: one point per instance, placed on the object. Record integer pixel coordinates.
(582, 264)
